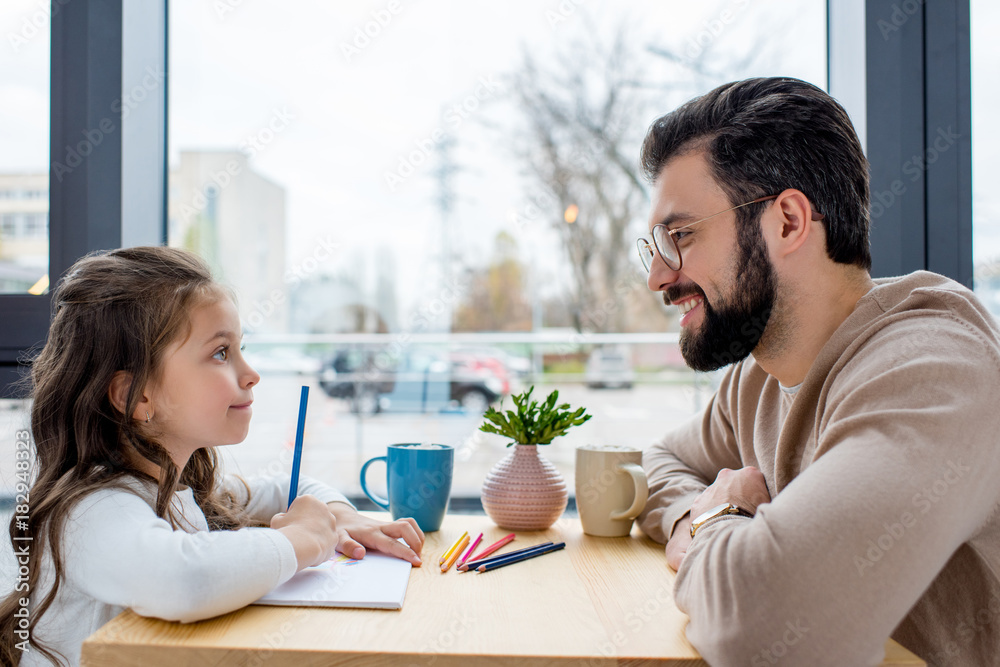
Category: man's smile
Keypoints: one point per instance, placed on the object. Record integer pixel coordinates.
(686, 308)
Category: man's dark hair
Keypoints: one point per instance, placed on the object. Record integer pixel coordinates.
(762, 136)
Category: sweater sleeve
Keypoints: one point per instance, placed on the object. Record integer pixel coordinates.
(269, 495)
(906, 474)
(119, 552)
(681, 465)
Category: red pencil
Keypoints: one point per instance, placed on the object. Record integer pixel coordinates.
(493, 547)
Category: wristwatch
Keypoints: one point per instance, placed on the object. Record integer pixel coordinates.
(721, 510)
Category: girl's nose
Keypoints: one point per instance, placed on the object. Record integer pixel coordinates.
(250, 377)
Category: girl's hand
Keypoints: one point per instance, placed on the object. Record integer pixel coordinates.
(357, 532)
(311, 528)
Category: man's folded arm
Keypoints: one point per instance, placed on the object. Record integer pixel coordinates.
(833, 564)
(681, 465)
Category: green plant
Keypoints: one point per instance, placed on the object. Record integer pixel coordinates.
(533, 423)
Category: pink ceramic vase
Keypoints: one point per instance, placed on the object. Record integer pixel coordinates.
(524, 491)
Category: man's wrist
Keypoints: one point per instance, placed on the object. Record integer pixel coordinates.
(682, 523)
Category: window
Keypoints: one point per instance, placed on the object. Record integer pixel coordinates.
(8, 225)
(362, 180)
(36, 225)
(24, 134)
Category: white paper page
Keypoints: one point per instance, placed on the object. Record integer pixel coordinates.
(375, 582)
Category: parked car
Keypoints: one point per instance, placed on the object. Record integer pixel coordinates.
(417, 380)
(610, 366)
(513, 365)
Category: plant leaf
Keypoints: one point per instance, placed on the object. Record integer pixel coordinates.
(531, 422)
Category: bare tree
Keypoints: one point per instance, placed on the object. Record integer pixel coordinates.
(583, 113)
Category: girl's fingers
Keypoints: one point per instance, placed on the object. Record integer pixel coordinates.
(408, 530)
(387, 544)
(350, 547)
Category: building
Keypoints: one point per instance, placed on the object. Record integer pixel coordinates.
(24, 232)
(234, 218)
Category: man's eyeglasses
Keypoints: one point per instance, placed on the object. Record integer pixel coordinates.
(666, 245)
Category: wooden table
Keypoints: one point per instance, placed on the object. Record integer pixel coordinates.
(597, 602)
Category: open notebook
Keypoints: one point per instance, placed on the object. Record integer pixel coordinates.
(376, 581)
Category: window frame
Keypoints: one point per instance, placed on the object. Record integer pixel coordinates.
(88, 203)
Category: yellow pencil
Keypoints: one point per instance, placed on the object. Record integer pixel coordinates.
(464, 542)
(447, 554)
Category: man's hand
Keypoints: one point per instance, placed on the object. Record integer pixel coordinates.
(744, 488)
(356, 532)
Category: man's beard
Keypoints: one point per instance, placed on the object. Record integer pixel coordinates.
(732, 328)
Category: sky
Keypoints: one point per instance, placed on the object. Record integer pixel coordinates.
(364, 89)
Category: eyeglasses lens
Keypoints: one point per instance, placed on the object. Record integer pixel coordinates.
(646, 251)
(665, 243)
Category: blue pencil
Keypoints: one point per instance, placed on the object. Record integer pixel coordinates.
(541, 551)
(473, 564)
(293, 489)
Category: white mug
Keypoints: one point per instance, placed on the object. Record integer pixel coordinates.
(611, 489)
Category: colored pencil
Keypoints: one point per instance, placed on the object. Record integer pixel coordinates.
(293, 488)
(471, 549)
(447, 554)
(510, 554)
(517, 559)
(473, 564)
(456, 553)
(496, 545)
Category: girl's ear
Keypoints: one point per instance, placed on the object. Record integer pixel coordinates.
(121, 383)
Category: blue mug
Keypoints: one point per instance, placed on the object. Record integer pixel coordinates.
(418, 482)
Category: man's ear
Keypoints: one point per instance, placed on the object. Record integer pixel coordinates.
(790, 222)
(121, 383)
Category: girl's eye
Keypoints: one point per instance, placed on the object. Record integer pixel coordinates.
(222, 354)
(680, 235)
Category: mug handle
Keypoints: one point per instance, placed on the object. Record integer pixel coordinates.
(641, 491)
(379, 500)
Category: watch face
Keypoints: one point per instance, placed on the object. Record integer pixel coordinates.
(719, 510)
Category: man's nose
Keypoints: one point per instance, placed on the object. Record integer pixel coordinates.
(660, 276)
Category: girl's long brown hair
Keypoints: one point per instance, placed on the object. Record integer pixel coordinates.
(113, 311)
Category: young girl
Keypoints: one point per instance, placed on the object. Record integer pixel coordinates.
(141, 378)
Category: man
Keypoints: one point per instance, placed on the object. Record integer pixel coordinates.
(842, 482)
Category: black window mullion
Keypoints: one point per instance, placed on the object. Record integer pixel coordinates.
(918, 71)
(85, 163)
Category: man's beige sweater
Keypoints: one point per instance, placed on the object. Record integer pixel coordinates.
(884, 475)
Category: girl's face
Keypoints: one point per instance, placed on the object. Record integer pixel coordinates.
(203, 395)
